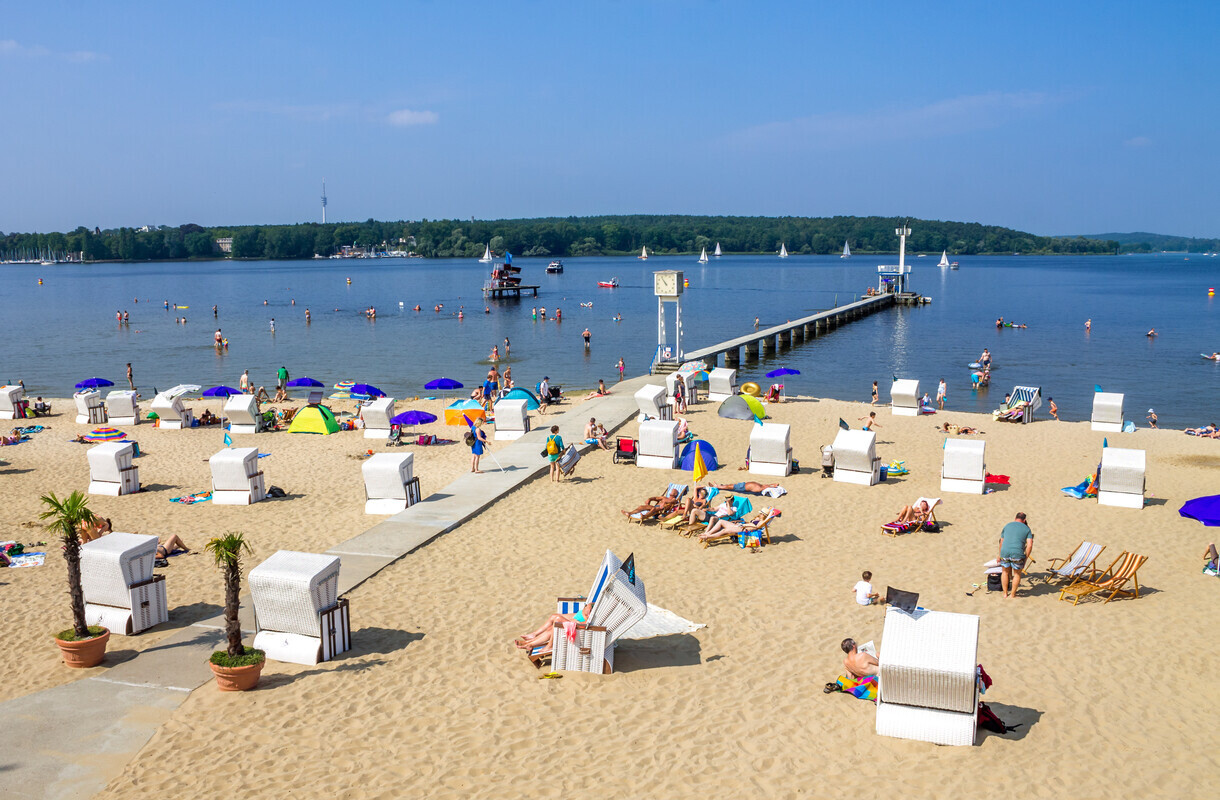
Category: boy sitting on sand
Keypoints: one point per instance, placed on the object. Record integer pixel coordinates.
(865, 595)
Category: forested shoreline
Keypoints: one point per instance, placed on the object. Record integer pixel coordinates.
(548, 236)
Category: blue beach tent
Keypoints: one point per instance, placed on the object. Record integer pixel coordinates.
(709, 456)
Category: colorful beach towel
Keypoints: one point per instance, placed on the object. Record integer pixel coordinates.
(30, 429)
(862, 688)
(27, 560)
(191, 499)
(1000, 479)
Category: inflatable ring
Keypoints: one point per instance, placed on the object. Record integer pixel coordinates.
(751, 389)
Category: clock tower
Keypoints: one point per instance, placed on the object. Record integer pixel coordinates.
(667, 285)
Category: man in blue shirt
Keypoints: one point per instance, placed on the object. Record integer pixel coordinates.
(1016, 544)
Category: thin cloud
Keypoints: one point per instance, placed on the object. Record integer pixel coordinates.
(405, 117)
(11, 48)
(1137, 141)
(941, 118)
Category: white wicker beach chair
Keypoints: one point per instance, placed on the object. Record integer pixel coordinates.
(242, 412)
(121, 591)
(928, 689)
(1121, 480)
(122, 407)
(689, 386)
(652, 402)
(236, 478)
(111, 471)
(721, 383)
(298, 614)
(512, 418)
(770, 449)
(904, 398)
(963, 469)
(89, 407)
(389, 486)
(10, 402)
(377, 414)
(1030, 400)
(1107, 412)
(856, 460)
(172, 413)
(658, 444)
(617, 605)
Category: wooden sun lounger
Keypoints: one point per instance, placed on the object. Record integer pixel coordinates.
(762, 529)
(1076, 564)
(933, 502)
(1124, 568)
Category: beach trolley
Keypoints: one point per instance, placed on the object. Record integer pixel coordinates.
(376, 415)
(298, 614)
(770, 449)
(122, 407)
(1107, 412)
(652, 402)
(121, 591)
(904, 398)
(236, 478)
(928, 687)
(963, 469)
(389, 486)
(689, 387)
(172, 413)
(855, 458)
(110, 469)
(721, 383)
(618, 602)
(658, 444)
(11, 405)
(1120, 481)
(512, 418)
(89, 407)
(242, 412)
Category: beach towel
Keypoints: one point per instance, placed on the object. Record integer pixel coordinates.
(774, 491)
(862, 688)
(191, 499)
(30, 429)
(27, 560)
(998, 479)
(1086, 488)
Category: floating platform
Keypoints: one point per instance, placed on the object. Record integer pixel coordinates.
(509, 291)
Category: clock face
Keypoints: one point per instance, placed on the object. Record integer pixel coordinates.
(666, 284)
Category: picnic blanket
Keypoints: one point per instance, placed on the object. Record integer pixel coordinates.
(191, 499)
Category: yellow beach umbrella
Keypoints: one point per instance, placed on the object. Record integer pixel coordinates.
(699, 472)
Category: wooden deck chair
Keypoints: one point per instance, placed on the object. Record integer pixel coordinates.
(1112, 580)
(893, 529)
(639, 516)
(760, 528)
(1081, 560)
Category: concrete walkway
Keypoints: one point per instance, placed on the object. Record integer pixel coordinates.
(70, 741)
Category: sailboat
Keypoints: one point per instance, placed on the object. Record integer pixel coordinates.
(944, 259)
(783, 250)
(486, 259)
(703, 256)
(846, 251)
(717, 253)
(643, 254)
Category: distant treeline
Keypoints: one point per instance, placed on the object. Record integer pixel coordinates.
(549, 236)
(1156, 242)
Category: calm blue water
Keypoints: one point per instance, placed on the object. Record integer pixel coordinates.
(64, 330)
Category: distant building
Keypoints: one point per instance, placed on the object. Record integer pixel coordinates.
(225, 244)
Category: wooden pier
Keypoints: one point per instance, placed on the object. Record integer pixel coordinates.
(508, 291)
(770, 341)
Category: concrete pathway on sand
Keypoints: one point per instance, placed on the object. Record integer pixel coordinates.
(70, 741)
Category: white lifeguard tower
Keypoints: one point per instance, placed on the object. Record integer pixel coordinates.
(893, 277)
(667, 285)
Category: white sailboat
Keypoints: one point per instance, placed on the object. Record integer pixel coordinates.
(944, 259)
(703, 256)
(717, 253)
(846, 251)
(643, 256)
(783, 250)
(486, 259)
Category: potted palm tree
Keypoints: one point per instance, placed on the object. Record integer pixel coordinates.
(82, 645)
(236, 668)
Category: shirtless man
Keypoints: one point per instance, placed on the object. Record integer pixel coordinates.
(748, 487)
(655, 506)
(857, 664)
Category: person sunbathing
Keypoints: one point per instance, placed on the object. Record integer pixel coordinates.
(542, 637)
(723, 528)
(748, 487)
(697, 502)
(655, 506)
(94, 530)
(208, 418)
(14, 437)
(964, 430)
(171, 546)
(1206, 430)
(917, 514)
(601, 390)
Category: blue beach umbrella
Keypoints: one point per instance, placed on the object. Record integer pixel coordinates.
(412, 418)
(366, 389)
(94, 383)
(1204, 509)
(443, 384)
(310, 382)
(782, 371)
(221, 391)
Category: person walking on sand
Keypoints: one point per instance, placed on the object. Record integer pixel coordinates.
(478, 443)
(1054, 408)
(554, 450)
(941, 392)
(872, 421)
(622, 367)
(875, 393)
(1151, 419)
(1016, 545)
(130, 382)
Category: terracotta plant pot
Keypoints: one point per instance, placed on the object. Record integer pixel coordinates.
(237, 679)
(84, 652)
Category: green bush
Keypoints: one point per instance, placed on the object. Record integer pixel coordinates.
(69, 635)
(250, 657)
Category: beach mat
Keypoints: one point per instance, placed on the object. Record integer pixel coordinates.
(27, 560)
(191, 499)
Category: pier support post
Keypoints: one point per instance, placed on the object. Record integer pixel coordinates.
(751, 351)
(783, 340)
(811, 330)
(819, 327)
(797, 334)
(732, 357)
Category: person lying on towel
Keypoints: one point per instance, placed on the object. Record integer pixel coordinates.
(861, 678)
(752, 487)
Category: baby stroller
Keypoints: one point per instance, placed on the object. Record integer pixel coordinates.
(828, 461)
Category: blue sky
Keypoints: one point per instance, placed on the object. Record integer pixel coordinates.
(1050, 117)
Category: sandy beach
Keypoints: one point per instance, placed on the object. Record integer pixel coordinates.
(435, 701)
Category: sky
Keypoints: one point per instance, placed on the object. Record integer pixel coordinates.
(1055, 118)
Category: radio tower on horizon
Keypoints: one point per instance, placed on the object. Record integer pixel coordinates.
(323, 201)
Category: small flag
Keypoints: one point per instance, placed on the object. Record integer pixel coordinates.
(628, 568)
(1105, 442)
(1097, 387)
(228, 440)
(844, 425)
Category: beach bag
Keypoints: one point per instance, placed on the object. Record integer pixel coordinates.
(568, 462)
(469, 439)
(993, 582)
(551, 447)
(988, 721)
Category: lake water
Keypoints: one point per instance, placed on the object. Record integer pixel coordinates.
(64, 330)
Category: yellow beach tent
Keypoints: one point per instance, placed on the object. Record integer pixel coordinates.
(314, 419)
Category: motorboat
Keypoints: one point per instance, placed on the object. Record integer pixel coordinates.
(555, 267)
(610, 284)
